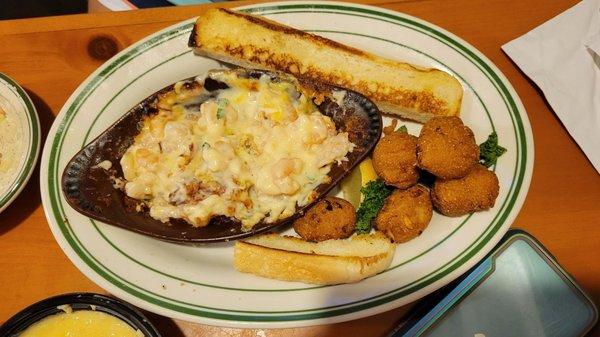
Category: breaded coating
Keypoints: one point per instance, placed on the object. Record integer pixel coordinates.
(395, 159)
(330, 218)
(405, 214)
(476, 191)
(447, 148)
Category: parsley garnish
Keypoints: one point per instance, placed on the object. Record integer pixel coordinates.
(375, 193)
(490, 150)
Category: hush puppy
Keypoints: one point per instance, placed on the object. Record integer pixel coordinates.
(330, 218)
(395, 159)
(405, 214)
(446, 148)
(476, 191)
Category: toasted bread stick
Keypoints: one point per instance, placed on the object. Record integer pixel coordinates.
(397, 88)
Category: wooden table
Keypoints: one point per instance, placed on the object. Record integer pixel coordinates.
(49, 57)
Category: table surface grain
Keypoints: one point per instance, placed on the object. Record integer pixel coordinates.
(49, 57)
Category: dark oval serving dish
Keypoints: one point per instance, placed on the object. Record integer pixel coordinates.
(78, 301)
(91, 192)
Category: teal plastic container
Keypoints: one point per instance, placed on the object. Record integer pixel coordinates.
(517, 290)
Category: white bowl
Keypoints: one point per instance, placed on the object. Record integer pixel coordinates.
(22, 139)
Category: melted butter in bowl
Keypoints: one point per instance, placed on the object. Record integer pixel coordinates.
(81, 323)
(79, 315)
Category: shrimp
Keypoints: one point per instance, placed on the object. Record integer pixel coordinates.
(177, 138)
(140, 188)
(209, 122)
(285, 167)
(225, 149)
(283, 171)
(334, 149)
(279, 178)
(145, 159)
(209, 111)
(231, 116)
(315, 129)
(157, 124)
(218, 155)
(128, 165)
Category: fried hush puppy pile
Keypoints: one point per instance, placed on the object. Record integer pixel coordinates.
(445, 148)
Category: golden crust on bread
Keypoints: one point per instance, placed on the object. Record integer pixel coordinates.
(328, 262)
(397, 88)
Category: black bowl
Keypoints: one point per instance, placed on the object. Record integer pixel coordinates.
(78, 301)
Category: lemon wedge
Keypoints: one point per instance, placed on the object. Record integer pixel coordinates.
(359, 177)
(367, 172)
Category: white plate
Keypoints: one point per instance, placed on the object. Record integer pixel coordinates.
(199, 283)
(23, 140)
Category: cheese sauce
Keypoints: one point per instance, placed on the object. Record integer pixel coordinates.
(254, 152)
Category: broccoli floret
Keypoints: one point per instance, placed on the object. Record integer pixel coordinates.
(374, 193)
(490, 150)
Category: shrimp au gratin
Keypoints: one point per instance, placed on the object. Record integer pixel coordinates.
(253, 151)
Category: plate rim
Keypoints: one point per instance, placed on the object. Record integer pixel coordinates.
(471, 257)
(34, 138)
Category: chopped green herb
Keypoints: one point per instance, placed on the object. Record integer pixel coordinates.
(490, 150)
(402, 129)
(221, 104)
(374, 193)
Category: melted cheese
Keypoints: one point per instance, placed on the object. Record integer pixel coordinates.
(81, 323)
(254, 152)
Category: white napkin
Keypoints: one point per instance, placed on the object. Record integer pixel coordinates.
(562, 56)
